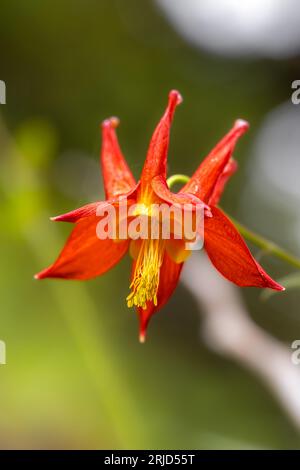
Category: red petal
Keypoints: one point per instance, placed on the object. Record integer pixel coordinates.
(230, 255)
(228, 171)
(117, 176)
(160, 187)
(204, 180)
(177, 250)
(93, 207)
(156, 160)
(85, 255)
(169, 276)
(81, 212)
(184, 201)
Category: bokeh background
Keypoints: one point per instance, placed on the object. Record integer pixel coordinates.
(76, 376)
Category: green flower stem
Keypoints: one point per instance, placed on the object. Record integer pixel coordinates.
(177, 179)
(266, 245)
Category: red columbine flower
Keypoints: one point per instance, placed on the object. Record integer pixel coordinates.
(157, 263)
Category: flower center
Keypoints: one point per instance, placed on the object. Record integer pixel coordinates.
(145, 281)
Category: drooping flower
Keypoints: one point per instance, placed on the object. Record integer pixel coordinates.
(157, 262)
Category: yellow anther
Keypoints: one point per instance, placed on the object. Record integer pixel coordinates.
(145, 281)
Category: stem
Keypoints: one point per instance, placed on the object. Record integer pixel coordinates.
(177, 179)
(263, 243)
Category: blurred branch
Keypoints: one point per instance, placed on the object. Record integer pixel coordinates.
(228, 330)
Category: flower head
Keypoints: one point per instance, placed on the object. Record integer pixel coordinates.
(157, 259)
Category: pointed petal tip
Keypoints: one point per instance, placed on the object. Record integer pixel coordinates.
(111, 122)
(241, 125)
(142, 337)
(143, 322)
(175, 98)
(271, 284)
(279, 287)
(75, 215)
(43, 274)
(39, 276)
(59, 218)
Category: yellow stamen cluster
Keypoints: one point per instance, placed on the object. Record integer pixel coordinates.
(145, 281)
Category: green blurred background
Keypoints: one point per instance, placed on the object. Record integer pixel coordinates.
(76, 376)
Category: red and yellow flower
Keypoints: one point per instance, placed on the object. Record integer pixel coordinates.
(157, 263)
